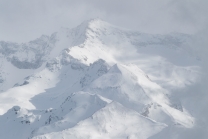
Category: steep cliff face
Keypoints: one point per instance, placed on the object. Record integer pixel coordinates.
(94, 81)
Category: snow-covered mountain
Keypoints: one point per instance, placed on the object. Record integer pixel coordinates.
(99, 81)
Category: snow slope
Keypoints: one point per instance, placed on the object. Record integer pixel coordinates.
(98, 81)
(113, 121)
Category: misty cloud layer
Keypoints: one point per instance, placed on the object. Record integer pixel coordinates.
(23, 20)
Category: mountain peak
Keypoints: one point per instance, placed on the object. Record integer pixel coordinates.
(78, 72)
(91, 24)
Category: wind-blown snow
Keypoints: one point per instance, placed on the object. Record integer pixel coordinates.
(97, 81)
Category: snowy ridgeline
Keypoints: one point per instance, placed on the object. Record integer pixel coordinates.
(98, 81)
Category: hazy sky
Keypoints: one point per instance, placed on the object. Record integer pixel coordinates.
(24, 20)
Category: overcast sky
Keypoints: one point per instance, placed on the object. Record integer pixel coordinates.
(24, 20)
